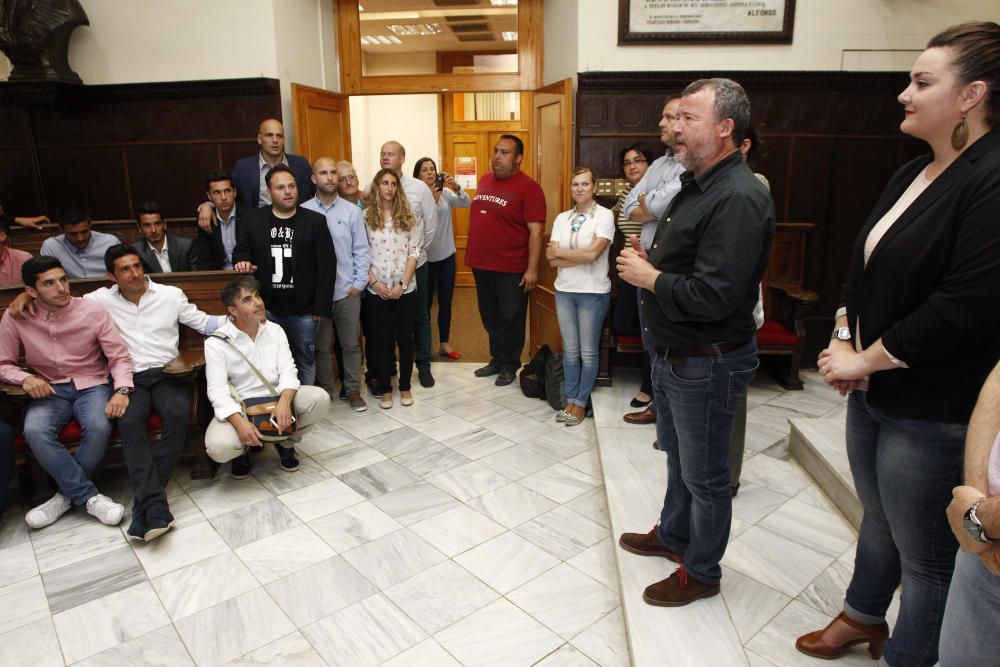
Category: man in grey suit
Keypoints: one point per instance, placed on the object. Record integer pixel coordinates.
(160, 250)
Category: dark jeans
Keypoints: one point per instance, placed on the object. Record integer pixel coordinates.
(503, 308)
(301, 333)
(441, 279)
(6, 462)
(646, 381)
(422, 320)
(151, 464)
(904, 471)
(388, 325)
(695, 402)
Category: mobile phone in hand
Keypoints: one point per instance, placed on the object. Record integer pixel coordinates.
(439, 182)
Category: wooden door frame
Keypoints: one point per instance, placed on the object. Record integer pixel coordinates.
(302, 97)
(530, 22)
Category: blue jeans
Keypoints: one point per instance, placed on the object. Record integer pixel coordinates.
(904, 471)
(969, 637)
(695, 403)
(301, 332)
(581, 316)
(47, 416)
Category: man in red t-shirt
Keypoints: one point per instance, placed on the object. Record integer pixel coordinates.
(506, 224)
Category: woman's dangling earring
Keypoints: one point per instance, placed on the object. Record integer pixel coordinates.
(960, 134)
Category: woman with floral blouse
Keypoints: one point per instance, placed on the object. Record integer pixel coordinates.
(394, 235)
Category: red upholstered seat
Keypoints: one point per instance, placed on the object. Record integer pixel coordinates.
(628, 340)
(775, 334)
(72, 432)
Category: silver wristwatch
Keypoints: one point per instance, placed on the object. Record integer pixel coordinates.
(972, 524)
(841, 333)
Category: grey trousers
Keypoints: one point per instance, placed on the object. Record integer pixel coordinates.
(347, 322)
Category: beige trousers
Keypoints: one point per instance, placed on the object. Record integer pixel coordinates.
(310, 403)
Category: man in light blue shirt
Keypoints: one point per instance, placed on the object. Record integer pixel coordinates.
(350, 242)
(79, 249)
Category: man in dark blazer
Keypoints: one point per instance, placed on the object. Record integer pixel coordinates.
(290, 252)
(215, 247)
(162, 251)
(248, 173)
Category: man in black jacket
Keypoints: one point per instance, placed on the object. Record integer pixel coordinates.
(159, 250)
(289, 250)
(215, 247)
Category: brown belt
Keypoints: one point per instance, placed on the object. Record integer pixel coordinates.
(676, 355)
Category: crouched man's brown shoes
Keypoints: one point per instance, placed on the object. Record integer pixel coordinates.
(646, 544)
(678, 590)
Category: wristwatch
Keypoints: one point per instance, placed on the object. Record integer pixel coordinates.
(841, 333)
(972, 524)
(124, 391)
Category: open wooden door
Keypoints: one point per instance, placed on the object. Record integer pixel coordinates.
(552, 150)
(322, 123)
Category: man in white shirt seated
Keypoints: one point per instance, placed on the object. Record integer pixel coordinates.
(230, 435)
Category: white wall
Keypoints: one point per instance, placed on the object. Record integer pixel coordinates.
(561, 57)
(412, 120)
(298, 41)
(829, 35)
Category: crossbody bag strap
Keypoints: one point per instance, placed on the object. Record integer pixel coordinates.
(260, 376)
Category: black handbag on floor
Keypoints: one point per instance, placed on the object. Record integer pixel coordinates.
(555, 382)
(532, 376)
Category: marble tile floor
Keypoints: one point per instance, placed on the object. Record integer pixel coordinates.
(472, 531)
(790, 552)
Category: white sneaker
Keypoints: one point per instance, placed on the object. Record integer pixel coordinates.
(48, 512)
(105, 509)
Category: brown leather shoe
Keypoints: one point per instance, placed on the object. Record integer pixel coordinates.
(647, 416)
(678, 590)
(873, 635)
(647, 544)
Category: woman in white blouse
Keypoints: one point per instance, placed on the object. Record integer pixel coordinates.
(394, 236)
(578, 248)
(441, 252)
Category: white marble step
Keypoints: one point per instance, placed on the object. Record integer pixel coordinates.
(819, 444)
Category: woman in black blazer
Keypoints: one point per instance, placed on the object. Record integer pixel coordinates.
(917, 336)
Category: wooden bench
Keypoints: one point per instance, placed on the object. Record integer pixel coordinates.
(202, 289)
(127, 231)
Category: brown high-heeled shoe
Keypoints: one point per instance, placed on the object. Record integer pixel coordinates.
(874, 635)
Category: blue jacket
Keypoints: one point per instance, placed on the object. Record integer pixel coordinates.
(246, 179)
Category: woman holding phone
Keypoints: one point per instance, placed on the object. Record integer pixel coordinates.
(441, 252)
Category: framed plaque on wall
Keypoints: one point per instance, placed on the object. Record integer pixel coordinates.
(705, 21)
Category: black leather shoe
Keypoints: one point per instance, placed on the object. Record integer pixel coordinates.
(505, 378)
(342, 394)
(289, 462)
(486, 371)
(426, 379)
(240, 466)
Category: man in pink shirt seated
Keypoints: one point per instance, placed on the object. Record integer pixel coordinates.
(71, 345)
(11, 259)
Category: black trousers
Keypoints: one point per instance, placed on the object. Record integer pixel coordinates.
(441, 280)
(503, 308)
(151, 464)
(388, 325)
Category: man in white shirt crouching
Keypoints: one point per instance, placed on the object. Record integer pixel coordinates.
(230, 435)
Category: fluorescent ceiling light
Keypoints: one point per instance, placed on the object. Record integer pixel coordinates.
(509, 35)
(414, 29)
(504, 3)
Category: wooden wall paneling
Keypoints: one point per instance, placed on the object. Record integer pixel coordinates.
(831, 142)
(170, 174)
(543, 321)
(106, 147)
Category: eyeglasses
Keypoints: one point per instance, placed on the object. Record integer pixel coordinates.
(345, 179)
(639, 160)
